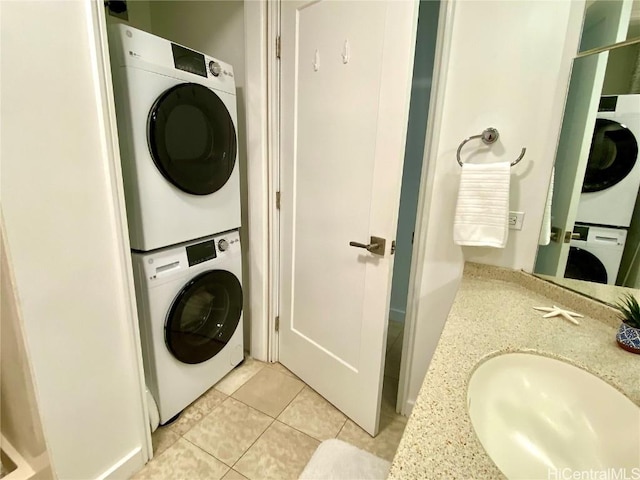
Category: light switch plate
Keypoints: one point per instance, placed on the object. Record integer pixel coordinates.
(515, 220)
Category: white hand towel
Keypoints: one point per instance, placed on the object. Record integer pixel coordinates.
(545, 232)
(482, 211)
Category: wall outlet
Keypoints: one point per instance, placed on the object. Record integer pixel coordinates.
(515, 220)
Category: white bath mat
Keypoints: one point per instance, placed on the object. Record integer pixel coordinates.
(338, 460)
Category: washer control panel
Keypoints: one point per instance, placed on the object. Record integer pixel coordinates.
(214, 68)
(228, 242)
(201, 252)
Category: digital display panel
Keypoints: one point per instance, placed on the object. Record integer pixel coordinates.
(188, 60)
(608, 104)
(201, 252)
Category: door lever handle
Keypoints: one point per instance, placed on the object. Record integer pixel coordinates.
(371, 246)
(376, 245)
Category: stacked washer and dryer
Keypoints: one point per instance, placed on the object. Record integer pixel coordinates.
(176, 113)
(609, 192)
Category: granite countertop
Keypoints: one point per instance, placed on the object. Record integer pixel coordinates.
(493, 314)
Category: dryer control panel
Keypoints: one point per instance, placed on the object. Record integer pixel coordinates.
(130, 47)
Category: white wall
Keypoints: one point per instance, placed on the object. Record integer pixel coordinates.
(508, 67)
(621, 65)
(217, 29)
(64, 231)
(519, 88)
(138, 15)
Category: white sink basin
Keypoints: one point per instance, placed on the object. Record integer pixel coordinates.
(538, 417)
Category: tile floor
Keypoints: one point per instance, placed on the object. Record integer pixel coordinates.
(261, 422)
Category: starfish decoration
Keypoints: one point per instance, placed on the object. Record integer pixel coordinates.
(559, 312)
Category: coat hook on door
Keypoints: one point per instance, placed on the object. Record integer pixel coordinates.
(316, 62)
(346, 52)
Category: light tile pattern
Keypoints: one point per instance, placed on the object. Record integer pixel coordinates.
(389, 398)
(238, 376)
(282, 452)
(384, 445)
(229, 430)
(162, 439)
(183, 461)
(197, 411)
(233, 475)
(313, 415)
(269, 391)
(282, 369)
(262, 421)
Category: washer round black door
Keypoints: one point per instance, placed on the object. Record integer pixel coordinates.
(613, 154)
(192, 139)
(203, 316)
(583, 265)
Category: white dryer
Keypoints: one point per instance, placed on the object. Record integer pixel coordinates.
(177, 124)
(596, 254)
(612, 178)
(190, 314)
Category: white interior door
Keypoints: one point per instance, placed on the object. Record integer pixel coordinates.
(345, 87)
(606, 22)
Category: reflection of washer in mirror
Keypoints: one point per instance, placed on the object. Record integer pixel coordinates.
(613, 154)
(583, 265)
(612, 175)
(595, 254)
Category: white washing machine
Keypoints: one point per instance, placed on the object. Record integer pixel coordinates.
(612, 178)
(190, 313)
(595, 256)
(177, 124)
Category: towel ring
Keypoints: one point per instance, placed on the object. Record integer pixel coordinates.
(488, 136)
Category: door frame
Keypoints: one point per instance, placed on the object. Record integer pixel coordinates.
(97, 33)
(411, 344)
(273, 141)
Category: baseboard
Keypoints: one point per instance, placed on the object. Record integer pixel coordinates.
(408, 407)
(396, 315)
(127, 466)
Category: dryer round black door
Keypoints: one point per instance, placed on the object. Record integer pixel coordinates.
(584, 265)
(613, 154)
(192, 139)
(204, 316)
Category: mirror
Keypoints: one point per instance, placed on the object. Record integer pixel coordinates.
(594, 214)
(618, 17)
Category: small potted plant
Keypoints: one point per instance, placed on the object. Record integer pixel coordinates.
(628, 336)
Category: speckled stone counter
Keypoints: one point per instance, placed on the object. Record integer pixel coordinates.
(493, 314)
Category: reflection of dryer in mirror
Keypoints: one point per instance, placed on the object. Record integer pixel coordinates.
(612, 178)
(190, 314)
(595, 256)
(176, 111)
